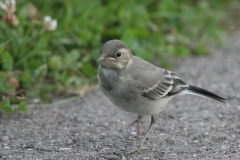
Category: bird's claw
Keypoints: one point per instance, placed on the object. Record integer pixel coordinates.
(136, 150)
(131, 152)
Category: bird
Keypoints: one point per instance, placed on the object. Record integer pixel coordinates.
(137, 86)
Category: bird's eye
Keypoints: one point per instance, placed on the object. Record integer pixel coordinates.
(119, 54)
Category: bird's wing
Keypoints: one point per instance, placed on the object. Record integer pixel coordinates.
(167, 85)
(153, 82)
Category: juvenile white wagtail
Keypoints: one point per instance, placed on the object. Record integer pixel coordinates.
(137, 86)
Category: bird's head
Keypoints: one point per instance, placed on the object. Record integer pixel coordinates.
(115, 54)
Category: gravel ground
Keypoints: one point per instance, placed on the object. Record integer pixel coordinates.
(93, 128)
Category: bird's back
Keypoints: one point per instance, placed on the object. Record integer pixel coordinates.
(143, 72)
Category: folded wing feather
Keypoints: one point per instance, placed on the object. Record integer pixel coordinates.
(168, 86)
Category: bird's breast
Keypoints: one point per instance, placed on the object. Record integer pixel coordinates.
(107, 79)
(118, 88)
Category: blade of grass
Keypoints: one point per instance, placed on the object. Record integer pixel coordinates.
(5, 43)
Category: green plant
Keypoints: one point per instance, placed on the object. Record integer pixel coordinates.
(42, 60)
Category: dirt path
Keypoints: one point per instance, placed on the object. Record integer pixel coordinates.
(92, 128)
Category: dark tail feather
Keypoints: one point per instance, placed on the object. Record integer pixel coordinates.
(205, 93)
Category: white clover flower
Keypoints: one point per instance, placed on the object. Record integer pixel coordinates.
(10, 7)
(49, 23)
(3, 6)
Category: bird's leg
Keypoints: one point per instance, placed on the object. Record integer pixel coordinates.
(138, 123)
(153, 121)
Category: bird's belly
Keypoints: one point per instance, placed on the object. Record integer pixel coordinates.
(139, 105)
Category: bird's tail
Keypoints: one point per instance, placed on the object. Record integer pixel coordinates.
(202, 92)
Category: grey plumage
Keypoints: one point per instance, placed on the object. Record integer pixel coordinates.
(137, 86)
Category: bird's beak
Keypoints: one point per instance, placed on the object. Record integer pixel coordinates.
(102, 58)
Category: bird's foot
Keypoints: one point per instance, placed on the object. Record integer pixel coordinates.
(136, 150)
(131, 152)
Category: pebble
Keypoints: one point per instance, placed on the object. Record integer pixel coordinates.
(28, 145)
(134, 133)
(173, 154)
(5, 138)
(43, 148)
(65, 149)
(9, 156)
(69, 142)
(110, 156)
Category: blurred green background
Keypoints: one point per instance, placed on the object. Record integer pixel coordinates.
(36, 62)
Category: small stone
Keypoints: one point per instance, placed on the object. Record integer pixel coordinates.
(43, 148)
(69, 141)
(121, 148)
(65, 149)
(28, 145)
(134, 133)
(173, 154)
(110, 156)
(195, 141)
(37, 100)
(5, 138)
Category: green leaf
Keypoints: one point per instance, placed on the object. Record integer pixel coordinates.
(45, 53)
(168, 5)
(7, 109)
(201, 50)
(95, 54)
(182, 51)
(76, 81)
(6, 102)
(22, 106)
(142, 53)
(55, 62)
(7, 60)
(3, 77)
(6, 106)
(70, 60)
(88, 70)
(170, 49)
(4, 87)
(25, 81)
(1, 45)
(41, 71)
